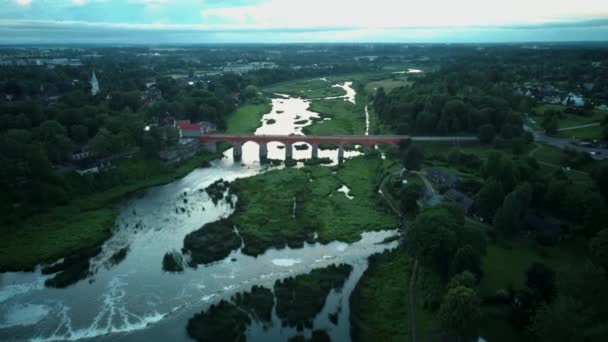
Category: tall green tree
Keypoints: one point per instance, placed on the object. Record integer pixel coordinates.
(541, 280)
(489, 198)
(598, 246)
(460, 314)
(565, 320)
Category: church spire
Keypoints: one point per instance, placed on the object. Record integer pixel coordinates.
(94, 84)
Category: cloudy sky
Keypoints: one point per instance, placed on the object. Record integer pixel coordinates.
(280, 21)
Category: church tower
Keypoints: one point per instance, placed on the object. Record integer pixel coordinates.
(94, 84)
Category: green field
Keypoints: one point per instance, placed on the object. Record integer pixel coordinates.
(388, 84)
(506, 263)
(586, 133)
(346, 118)
(320, 208)
(566, 120)
(247, 118)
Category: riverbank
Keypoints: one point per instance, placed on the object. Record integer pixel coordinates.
(380, 303)
(87, 221)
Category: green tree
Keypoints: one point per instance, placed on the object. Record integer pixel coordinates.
(486, 133)
(563, 321)
(466, 279)
(250, 92)
(467, 259)
(551, 124)
(55, 140)
(598, 246)
(541, 280)
(460, 314)
(432, 238)
(104, 142)
(489, 199)
(409, 198)
(79, 133)
(413, 158)
(509, 217)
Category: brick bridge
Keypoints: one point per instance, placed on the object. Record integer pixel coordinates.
(237, 140)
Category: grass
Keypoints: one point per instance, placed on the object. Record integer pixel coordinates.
(506, 263)
(566, 120)
(85, 222)
(319, 207)
(380, 303)
(247, 118)
(388, 84)
(346, 118)
(307, 88)
(586, 133)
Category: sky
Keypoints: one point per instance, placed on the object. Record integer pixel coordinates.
(296, 21)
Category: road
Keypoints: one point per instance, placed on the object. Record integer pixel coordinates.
(563, 143)
(579, 126)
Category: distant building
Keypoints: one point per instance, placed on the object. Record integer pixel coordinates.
(188, 129)
(460, 199)
(574, 100)
(94, 84)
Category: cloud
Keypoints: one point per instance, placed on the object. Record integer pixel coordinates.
(24, 2)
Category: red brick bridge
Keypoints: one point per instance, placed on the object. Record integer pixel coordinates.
(237, 140)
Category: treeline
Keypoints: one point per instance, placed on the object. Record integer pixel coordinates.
(454, 100)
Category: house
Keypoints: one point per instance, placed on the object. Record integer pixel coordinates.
(574, 100)
(545, 232)
(188, 129)
(461, 200)
(442, 178)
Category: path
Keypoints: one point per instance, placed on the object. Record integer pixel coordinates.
(579, 126)
(413, 276)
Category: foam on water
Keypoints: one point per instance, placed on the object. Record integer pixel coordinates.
(23, 315)
(286, 262)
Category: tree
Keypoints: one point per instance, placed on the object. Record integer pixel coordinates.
(541, 280)
(564, 320)
(250, 92)
(409, 198)
(487, 133)
(460, 313)
(54, 138)
(466, 279)
(467, 259)
(79, 133)
(104, 142)
(489, 198)
(600, 176)
(509, 217)
(551, 124)
(598, 246)
(433, 238)
(413, 158)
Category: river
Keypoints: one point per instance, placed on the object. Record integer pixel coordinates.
(135, 300)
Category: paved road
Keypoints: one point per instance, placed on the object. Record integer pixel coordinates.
(579, 126)
(563, 143)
